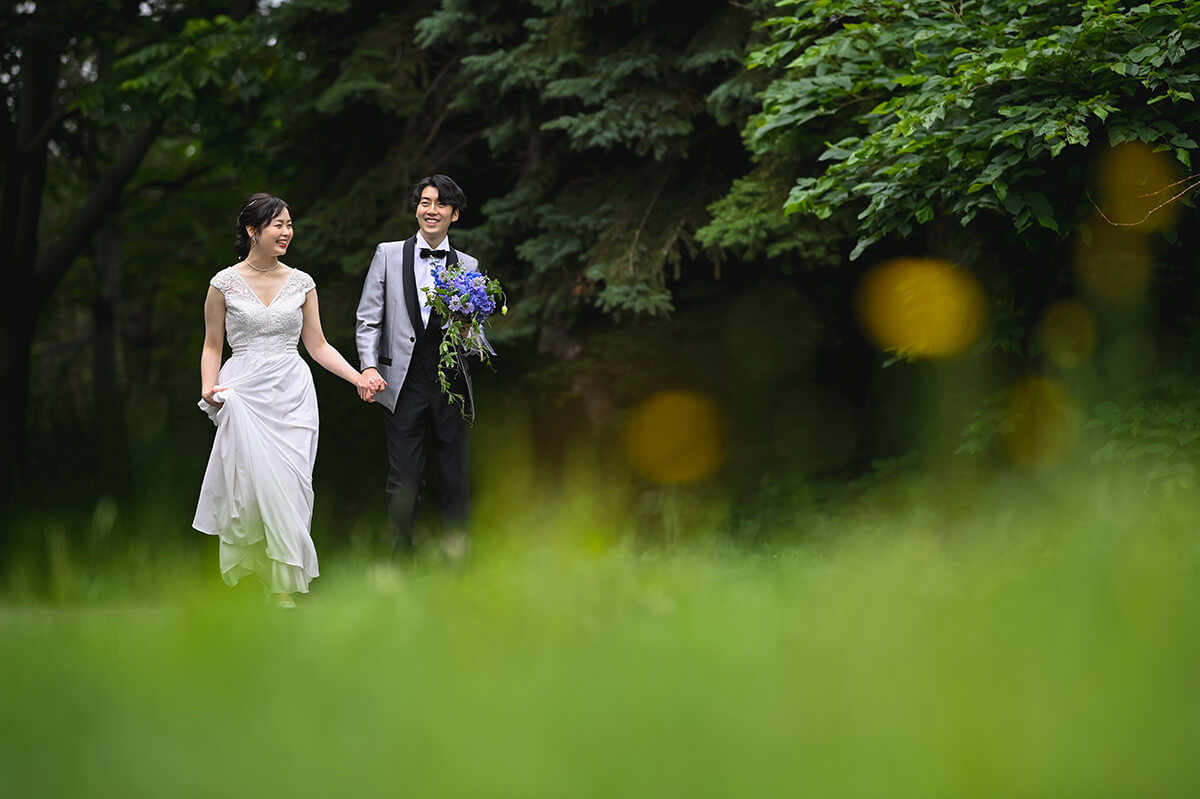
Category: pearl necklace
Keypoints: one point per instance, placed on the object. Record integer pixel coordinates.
(268, 269)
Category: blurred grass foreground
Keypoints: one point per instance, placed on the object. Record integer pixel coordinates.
(1011, 639)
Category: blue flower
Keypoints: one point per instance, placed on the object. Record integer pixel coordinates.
(454, 303)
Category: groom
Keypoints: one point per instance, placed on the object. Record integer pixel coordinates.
(398, 339)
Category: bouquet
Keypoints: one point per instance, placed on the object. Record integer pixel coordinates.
(466, 299)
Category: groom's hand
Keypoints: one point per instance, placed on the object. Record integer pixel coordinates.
(377, 382)
(369, 384)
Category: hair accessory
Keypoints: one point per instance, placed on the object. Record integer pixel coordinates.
(249, 205)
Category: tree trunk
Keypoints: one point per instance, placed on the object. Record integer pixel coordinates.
(32, 284)
(32, 269)
(112, 435)
(16, 341)
(24, 176)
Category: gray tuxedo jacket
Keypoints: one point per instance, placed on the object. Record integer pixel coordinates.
(389, 313)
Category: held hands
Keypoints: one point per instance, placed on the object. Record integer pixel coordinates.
(369, 383)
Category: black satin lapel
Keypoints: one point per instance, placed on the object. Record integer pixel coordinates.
(410, 286)
(453, 257)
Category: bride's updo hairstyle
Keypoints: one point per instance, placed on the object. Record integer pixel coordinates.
(258, 210)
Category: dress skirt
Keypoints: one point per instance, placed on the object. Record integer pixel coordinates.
(257, 494)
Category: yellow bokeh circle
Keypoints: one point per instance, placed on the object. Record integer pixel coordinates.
(1134, 187)
(921, 308)
(1069, 333)
(1042, 424)
(675, 437)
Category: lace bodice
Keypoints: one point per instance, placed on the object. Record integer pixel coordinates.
(263, 330)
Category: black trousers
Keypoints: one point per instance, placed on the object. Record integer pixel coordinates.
(427, 445)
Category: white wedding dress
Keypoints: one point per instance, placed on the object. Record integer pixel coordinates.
(257, 493)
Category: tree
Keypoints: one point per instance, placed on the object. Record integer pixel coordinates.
(977, 130)
(365, 117)
(88, 89)
(957, 110)
(613, 126)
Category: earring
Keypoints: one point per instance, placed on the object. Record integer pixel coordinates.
(254, 242)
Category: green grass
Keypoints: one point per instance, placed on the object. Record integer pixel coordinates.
(1009, 641)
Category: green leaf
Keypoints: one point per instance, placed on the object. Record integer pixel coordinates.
(861, 246)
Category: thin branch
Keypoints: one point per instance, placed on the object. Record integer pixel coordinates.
(170, 186)
(416, 116)
(58, 116)
(8, 130)
(855, 99)
(435, 128)
(1149, 213)
(463, 142)
(1168, 186)
(645, 217)
(449, 67)
(95, 209)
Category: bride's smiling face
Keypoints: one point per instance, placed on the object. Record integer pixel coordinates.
(275, 236)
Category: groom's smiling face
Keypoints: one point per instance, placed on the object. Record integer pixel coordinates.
(434, 216)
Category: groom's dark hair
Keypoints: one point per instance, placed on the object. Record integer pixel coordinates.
(448, 192)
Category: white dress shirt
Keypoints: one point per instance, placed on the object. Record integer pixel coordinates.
(424, 277)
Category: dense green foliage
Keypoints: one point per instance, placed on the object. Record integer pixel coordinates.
(1157, 431)
(937, 109)
(615, 124)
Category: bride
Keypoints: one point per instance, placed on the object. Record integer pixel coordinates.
(257, 493)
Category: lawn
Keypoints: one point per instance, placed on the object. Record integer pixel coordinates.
(1030, 639)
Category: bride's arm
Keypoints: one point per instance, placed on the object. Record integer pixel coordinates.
(325, 354)
(214, 338)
